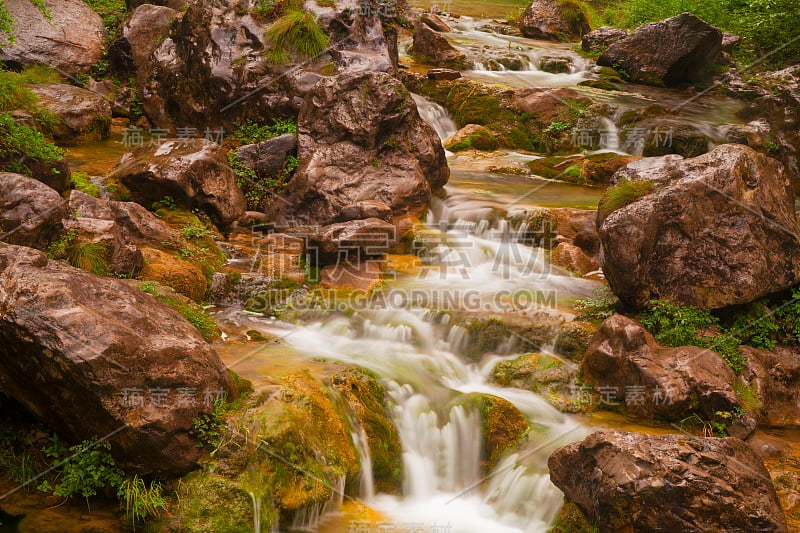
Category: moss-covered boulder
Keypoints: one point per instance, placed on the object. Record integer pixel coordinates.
(504, 426)
(544, 374)
(471, 137)
(595, 169)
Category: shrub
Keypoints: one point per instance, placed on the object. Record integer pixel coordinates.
(624, 193)
(86, 468)
(601, 306)
(17, 140)
(673, 325)
(296, 32)
(111, 11)
(250, 132)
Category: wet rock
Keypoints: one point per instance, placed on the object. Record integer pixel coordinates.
(434, 22)
(504, 426)
(84, 116)
(472, 137)
(642, 482)
(195, 174)
(554, 20)
(139, 37)
(71, 39)
(70, 338)
(268, 158)
(601, 38)
(595, 169)
(717, 230)
(676, 50)
(364, 275)
(772, 386)
(172, 271)
(575, 226)
(546, 375)
(571, 257)
(354, 240)
(30, 211)
(432, 48)
(546, 102)
(443, 74)
(663, 136)
(365, 209)
(369, 44)
(628, 368)
(555, 64)
(361, 138)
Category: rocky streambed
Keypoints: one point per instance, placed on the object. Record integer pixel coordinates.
(442, 274)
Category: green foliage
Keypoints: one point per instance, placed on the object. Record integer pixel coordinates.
(270, 10)
(17, 140)
(81, 181)
(258, 190)
(673, 325)
(14, 94)
(111, 11)
(756, 326)
(748, 397)
(601, 306)
(556, 128)
(250, 132)
(86, 468)
(58, 248)
(296, 32)
(89, 256)
(766, 26)
(165, 203)
(209, 428)
(624, 193)
(196, 230)
(138, 501)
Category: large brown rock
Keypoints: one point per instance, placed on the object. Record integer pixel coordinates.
(195, 174)
(139, 37)
(602, 38)
(353, 240)
(554, 20)
(30, 211)
(267, 158)
(71, 39)
(773, 379)
(717, 230)
(675, 50)
(634, 482)
(628, 367)
(433, 48)
(95, 357)
(84, 116)
(361, 138)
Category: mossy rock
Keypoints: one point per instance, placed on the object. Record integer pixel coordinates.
(603, 85)
(573, 340)
(472, 137)
(543, 374)
(490, 335)
(366, 397)
(209, 503)
(634, 116)
(571, 519)
(189, 309)
(170, 270)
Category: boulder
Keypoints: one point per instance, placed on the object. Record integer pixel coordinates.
(662, 136)
(576, 226)
(601, 38)
(365, 209)
(71, 39)
(716, 230)
(434, 49)
(30, 211)
(628, 367)
(94, 357)
(84, 116)
(139, 37)
(573, 258)
(676, 50)
(730, 42)
(554, 20)
(195, 174)
(471, 137)
(267, 158)
(555, 64)
(369, 44)
(547, 103)
(435, 23)
(361, 138)
(773, 385)
(354, 240)
(634, 482)
(443, 74)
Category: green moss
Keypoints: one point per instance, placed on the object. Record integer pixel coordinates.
(572, 520)
(18, 140)
(81, 182)
(193, 313)
(480, 140)
(209, 503)
(623, 194)
(748, 396)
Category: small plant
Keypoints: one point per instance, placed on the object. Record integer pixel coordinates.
(165, 203)
(138, 501)
(195, 231)
(250, 132)
(58, 248)
(89, 256)
(209, 428)
(296, 32)
(624, 193)
(601, 306)
(556, 128)
(18, 140)
(81, 181)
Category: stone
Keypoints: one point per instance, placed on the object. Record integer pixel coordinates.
(601, 38)
(195, 174)
(554, 20)
(571, 257)
(440, 74)
(555, 64)
(84, 116)
(30, 211)
(628, 368)
(360, 137)
(472, 137)
(139, 37)
(355, 240)
(73, 343)
(434, 49)
(635, 482)
(268, 158)
(773, 385)
(716, 230)
(676, 50)
(435, 23)
(71, 40)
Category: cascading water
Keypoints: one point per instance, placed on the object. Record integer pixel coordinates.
(435, 115)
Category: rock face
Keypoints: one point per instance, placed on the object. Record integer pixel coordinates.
(432, 48)
(30, 211)
(268, 157)
(717, 230)
(85, 354)
(675, 50)
(195, 174)
(628, 367)
(84, 115)
(631, 481)
(361, 138)
(774, 378)
(554, 20)
(139, 37)
(71, 40)
(601, 38)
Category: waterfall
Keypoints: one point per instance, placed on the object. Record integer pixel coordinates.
(366, 481)
(609, 135)
(308, 518)
(437, 116)
(256, 512)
